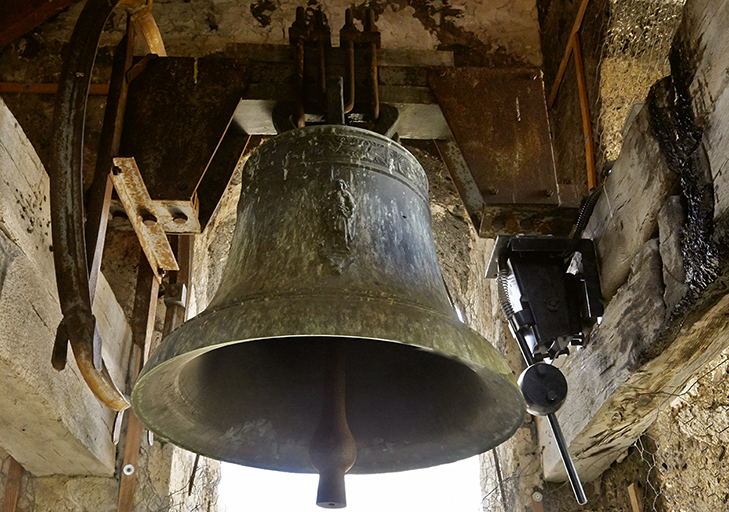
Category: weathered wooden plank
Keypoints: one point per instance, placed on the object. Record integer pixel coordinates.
(626, 215)
(708, 47)
(145, 308)
(633, 366)
(598, 375)
(131, 458)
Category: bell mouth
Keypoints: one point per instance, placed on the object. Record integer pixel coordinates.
(258, 403)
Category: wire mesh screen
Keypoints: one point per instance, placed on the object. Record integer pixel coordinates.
(679, 465)
(692, 438)
(634, 56)
(176, 483)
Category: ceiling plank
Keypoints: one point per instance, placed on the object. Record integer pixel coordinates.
(19, 18)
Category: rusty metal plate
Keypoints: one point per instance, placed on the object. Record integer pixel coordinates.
(526, 220)
(491, 220)
(141, 211)
(178, 112)
(175, 217)
(498, 118)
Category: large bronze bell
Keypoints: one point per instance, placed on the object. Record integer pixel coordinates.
(331, 313)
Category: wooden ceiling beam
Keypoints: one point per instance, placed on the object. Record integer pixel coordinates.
(19, 18)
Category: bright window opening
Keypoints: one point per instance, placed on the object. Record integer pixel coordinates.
(450, 487)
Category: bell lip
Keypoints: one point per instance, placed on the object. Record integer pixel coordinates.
(510, 393)
(184, 344)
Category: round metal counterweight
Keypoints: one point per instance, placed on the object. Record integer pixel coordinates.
(544, 388)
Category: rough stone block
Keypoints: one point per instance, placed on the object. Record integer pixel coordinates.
(626, 215)
(49, 421)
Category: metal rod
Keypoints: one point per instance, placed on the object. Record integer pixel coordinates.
(374, 91)
(322, 54)
(567, 52)
(346, 35)
(99, 195)
(585, 110)
(300, 119)
(567, 460)
(296, 35)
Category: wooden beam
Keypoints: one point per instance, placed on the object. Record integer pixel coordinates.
(585, 109)
(18, 88)
(12, 486)
(537, 504)
(19, 18)
(567, 53)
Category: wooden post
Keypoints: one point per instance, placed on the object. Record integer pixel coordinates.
(537, 499)
(12, 486)
(145, 310)
(585, 108)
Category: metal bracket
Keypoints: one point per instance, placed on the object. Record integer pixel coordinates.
(142, 213)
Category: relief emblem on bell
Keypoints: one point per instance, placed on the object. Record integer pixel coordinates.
(339, 216)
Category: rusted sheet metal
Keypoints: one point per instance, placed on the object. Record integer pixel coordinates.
(143, 215)
(498, 118)
(180, 109)
(173, 216)
(493, 220)
(525, 219)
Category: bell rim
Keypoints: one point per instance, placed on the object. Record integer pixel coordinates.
(511, 401)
